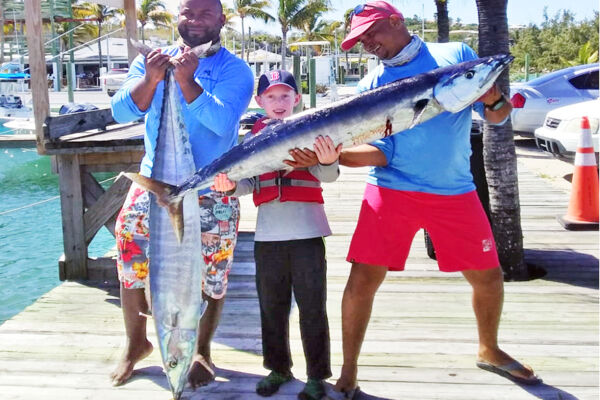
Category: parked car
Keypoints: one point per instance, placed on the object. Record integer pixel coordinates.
(113, 80)
(562, 128)
(532, 100)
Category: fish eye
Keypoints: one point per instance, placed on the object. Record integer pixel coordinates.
(469, 74)
(172, 364)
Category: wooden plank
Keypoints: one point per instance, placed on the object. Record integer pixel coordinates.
(77, 122)
(37, 70)
(108, 159)
(18, 141)
(71, 201)
(106, 208)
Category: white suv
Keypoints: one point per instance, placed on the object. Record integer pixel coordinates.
(114, 79)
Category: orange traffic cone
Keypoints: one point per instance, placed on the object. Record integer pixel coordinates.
(582, 214)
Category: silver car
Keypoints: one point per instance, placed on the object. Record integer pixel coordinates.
(532, 100)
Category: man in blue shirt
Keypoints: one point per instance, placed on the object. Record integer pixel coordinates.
(215, 92)
(420, 179)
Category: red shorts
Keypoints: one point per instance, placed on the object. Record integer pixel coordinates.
(457, 225)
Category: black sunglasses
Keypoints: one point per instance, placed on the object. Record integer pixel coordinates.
(361, 7)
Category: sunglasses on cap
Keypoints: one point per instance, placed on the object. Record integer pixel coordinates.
(361, 7)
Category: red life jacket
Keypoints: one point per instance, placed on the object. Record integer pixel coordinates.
(297, 185)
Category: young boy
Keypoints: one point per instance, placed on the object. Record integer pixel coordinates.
(289, 249)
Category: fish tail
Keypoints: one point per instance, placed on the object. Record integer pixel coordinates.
(141, 47)
(163, 192)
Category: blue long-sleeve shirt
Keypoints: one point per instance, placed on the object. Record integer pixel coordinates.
(212, 119)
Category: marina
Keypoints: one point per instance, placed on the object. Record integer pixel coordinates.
(420, 345)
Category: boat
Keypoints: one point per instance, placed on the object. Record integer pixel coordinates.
(12, 107)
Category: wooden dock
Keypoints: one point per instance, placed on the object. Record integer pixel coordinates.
(421, 341)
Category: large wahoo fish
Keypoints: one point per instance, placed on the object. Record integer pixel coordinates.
(176, 267)
(371, 115)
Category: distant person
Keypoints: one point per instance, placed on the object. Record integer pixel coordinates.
(215, 92)
(420, 179)
(289, 248)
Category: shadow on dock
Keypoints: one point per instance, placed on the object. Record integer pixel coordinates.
(566, 266)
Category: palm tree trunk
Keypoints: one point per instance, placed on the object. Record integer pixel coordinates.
(243, 39)
(99, 51)
(283, 47)
(499, 152)
(443, 24)
(142, 32)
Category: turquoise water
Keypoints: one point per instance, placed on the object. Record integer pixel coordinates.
(31, 238)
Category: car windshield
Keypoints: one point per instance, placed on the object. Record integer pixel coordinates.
(553, 75)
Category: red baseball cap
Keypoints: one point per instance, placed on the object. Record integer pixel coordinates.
(365, 15)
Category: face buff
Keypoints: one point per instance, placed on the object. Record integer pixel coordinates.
(407, 54)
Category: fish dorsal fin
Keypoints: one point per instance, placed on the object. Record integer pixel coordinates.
(419, 109)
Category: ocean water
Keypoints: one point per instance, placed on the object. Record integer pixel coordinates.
(30, 229)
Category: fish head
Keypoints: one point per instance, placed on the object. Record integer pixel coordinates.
(461, 86)
(178, 348)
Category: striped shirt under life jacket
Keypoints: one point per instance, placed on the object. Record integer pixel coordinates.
(297, 185)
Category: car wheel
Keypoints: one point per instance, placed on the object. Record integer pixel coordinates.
(110, 93)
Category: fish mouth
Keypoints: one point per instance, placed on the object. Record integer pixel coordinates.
(498, 63)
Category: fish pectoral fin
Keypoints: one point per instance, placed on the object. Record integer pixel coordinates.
(419, 109)
(175, 210)
(162, 191)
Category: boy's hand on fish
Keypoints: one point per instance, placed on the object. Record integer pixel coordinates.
(156, 64)
(302, 158)
(326, 150)
(185, 65)
(223, 183)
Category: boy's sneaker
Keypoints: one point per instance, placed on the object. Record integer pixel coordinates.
(313, 390)
(268, 385)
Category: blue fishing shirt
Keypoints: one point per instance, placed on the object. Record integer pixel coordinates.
(212, 119)
(432, 157)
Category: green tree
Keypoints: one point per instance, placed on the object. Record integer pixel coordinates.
(586, 55)
(292, 14)
(100, 14)
(153, 11)
(254, 9)
(499, 152)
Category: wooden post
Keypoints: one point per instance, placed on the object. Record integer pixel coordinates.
(71, 202)
(298, 78)
(37, 69)
(130, 28)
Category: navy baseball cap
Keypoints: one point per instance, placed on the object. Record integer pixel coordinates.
(276, 77)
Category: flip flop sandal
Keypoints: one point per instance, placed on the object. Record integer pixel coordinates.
(504, 370)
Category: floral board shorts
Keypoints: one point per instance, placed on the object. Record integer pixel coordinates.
(219, 217)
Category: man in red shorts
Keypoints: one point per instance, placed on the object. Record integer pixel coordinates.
(420, 179)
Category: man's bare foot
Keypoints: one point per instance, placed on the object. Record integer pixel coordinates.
(497, 361)
(201, 371)
(131, 356)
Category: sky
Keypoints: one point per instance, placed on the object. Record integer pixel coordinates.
(519, 12)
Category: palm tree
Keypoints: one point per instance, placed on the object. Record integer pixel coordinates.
(499, 152)
(292, 13)
(153, 11)
(100, 14)
(254, 9)
(443, 25)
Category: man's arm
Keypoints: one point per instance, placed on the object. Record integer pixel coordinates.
(156, 65)
(496, 105)
(363, 155)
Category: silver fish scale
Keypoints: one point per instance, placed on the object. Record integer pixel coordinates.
(175, 268)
